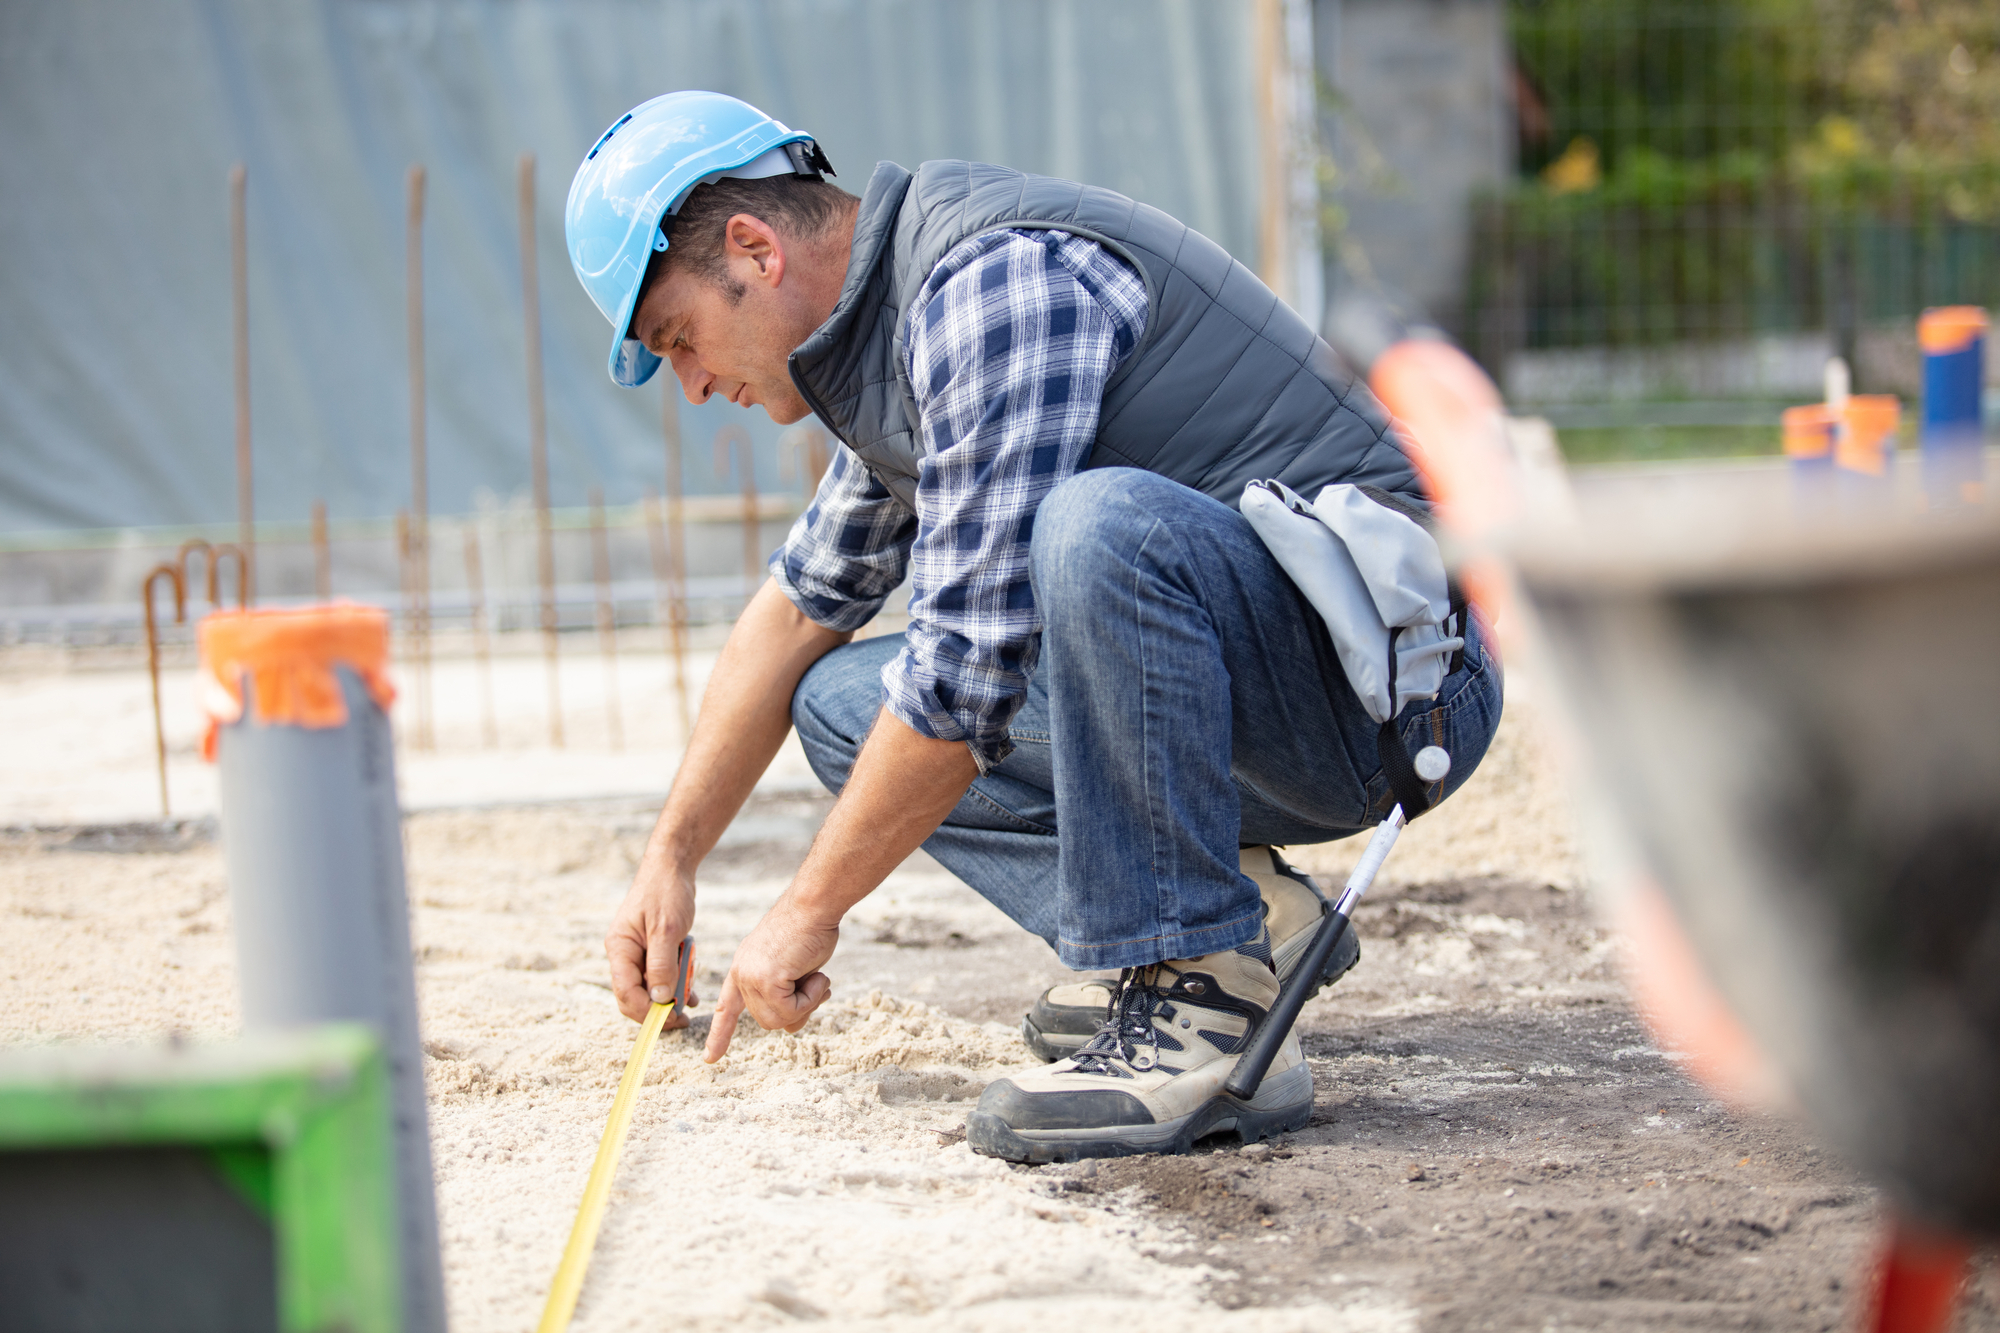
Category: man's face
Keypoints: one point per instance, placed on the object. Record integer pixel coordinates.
(736, 348)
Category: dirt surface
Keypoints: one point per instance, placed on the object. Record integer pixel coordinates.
(1497, 1142)
(1518, 1155)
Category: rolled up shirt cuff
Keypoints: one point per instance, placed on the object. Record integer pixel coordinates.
(827, 609)
(911, 695)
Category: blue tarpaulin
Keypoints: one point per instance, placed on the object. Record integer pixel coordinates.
(121, 121)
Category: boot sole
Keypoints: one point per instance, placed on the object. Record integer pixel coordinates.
(989, 1135)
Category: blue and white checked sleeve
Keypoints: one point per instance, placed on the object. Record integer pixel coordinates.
(849, 550)
(1010, 343)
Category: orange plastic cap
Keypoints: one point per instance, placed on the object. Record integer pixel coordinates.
(1808, 431)
(1950, 328)
(1871, 422)
(290, 655)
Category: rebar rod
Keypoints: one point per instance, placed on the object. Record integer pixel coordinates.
(818, 458)
(179, 584)
(733, 443)
(239, 290)
(207, 549)
(538, 443)
(418, 616)
(676, 554)
(482, 646)
(322, 554)
(1273, 177)
(400, 639)
(214, 554)
(664, 606)
(607, 618)
(802, 449)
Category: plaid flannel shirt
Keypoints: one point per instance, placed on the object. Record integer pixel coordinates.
(1012, 339)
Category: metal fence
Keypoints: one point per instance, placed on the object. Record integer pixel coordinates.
(1737, 173)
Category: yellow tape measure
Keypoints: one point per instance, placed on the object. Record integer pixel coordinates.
(575, 1263)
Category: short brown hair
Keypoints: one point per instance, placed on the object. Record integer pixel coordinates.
(794, 206)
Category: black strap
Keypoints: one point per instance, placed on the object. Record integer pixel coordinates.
(1459, 618)
(809, 160)
(1397, 765)
(1401, 771)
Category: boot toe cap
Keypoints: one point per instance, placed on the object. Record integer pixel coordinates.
(1062, 1108)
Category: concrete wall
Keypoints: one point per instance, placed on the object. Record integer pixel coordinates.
(1424, 120)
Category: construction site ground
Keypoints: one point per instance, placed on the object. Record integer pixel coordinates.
(1497, 1141)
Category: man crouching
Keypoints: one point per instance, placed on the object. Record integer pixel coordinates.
(1111, 703)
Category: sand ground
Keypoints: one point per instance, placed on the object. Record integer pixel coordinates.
(1497, 1142)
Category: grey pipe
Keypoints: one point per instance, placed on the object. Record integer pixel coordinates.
(313, 839)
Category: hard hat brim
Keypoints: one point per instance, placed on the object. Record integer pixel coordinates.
(631, 364)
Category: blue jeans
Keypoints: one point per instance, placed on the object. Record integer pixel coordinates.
(1187, 702)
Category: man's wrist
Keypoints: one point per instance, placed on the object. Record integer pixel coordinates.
(659, 874)
(816, 901)
(672, 854)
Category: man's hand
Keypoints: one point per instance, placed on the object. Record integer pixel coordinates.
(644, 942)
(744, 717)
(902, 787)
(775, 975)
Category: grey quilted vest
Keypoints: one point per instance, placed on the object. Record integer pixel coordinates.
(1227, 386)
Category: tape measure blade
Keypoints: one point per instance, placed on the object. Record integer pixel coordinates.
(568, 1284)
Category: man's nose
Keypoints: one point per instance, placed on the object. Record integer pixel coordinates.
(696, 382)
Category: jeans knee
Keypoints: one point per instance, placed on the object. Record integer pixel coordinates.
(829, 753)
(835, 704)
(1094, 520)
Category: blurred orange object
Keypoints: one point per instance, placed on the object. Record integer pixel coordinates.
(290, 655)
(1452, 413)
(1869, 437)
(1808, 431)
(1916, 1280)
(1682, 1007)
(1950, 328)
(1453, 419)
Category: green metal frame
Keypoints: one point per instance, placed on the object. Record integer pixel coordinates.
(298, 1123)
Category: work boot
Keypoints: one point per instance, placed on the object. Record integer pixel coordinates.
(1150, 1079)
(1067, 1016)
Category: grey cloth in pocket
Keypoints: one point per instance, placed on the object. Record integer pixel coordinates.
(1370, 570)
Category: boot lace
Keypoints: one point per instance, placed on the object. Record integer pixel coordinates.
(1129, 1025)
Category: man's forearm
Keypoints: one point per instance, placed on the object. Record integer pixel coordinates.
(745, 714)
(902, 787)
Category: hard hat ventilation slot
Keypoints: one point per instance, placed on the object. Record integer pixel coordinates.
(607, 135)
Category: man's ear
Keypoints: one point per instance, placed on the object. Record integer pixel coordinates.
(752, 250)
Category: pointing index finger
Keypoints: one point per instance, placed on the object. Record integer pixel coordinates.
(728, 1008)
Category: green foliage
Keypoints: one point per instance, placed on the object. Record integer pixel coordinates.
(1922, 82)
(1687, 80)
(1650, 444)
(1710, 168)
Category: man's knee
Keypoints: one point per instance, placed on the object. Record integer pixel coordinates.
(1095, 520)
(836, 702)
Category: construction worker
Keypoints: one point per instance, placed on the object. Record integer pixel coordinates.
(1110, 702)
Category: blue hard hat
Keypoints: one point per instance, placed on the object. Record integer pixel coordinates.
(636, 177)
